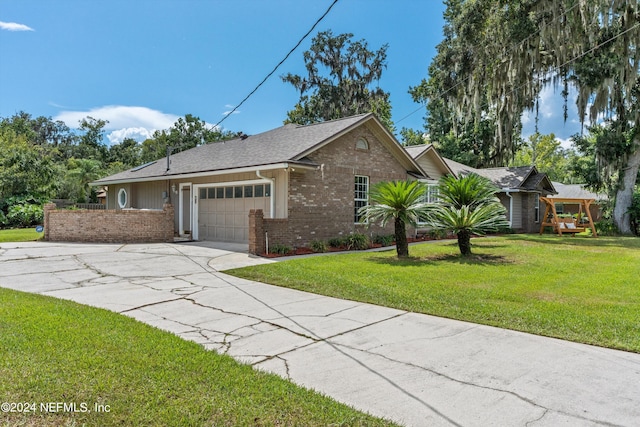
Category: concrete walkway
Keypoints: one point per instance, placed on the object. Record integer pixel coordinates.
(415, 369)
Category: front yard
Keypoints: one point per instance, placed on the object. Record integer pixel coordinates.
(63, 364)
(19, 235)
(575, 288)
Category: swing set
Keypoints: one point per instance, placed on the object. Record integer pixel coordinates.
(568, 225)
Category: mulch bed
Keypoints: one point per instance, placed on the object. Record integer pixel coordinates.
(307, 251)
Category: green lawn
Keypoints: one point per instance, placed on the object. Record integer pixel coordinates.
(20, 235)
(576, 288)
(54, 352)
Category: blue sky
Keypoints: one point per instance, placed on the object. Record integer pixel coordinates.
(141, 64)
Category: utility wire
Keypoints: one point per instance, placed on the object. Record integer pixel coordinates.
(279, 63)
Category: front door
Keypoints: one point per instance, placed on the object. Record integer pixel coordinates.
(185, 217)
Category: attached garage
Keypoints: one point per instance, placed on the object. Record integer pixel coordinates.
(222, 210)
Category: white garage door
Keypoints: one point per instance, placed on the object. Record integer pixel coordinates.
(223, 212)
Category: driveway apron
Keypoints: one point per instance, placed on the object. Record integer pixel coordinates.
(415, 369)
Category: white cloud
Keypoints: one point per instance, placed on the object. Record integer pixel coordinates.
(139, 134)
(13, 26)
(565, 142)
(124, 121)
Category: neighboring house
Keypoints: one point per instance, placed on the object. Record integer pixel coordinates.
(520, 188)
(578, 191)
(308, 180)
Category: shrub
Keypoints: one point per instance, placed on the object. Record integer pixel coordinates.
(386, 240)
(336, 242)
(437, 234)
(356, 241)
(25, 215)
(606, 227)
(280, 249)
(3, 219)
(318, 246)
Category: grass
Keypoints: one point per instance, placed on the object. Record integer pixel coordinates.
(575, 288)
(58, 351)
(19, 235)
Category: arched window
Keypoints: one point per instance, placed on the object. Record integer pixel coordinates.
(122, 198)
(362, 144)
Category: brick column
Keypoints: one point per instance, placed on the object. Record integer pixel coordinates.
(48, 207)
(256, 232)
(168, 225)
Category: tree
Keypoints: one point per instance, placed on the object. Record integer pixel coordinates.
(467, 206)
(509, 50)
(465, 141)
(546, 153)
(186, 133)
(128, 153)
(402, 201)
(413, 137)
(25, 169)
(82, 172)
(348, 89)
(91, 145)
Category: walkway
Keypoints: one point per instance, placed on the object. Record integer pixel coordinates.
(415, 369)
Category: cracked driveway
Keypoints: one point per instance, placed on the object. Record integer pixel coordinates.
(415, 369)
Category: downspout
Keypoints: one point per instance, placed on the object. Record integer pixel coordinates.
(272, 200)
(510, 208)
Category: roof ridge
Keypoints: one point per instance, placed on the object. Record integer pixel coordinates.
(331, 121)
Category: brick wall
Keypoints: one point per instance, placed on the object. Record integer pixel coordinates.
(109, 226)
(321, 202)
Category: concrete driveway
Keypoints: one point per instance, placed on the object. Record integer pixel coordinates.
(415, 369)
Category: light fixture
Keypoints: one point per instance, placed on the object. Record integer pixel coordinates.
(173, 188)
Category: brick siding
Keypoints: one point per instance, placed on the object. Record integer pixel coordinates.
(109, 226)
(321, 202)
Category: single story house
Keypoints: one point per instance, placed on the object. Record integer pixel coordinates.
(520, 187)
(308, 181)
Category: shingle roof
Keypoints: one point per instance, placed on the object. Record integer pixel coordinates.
(518, 177)
(575, 191)
(416, 150)
(458, 168)
(513, 177)
(288, 143)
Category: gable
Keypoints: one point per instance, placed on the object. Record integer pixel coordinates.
(430, 160)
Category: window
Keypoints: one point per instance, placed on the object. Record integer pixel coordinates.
(248, 191)
(431, 196)
(122, 198)
(237, 192)
(211, 193)
(536, 212)
(228, 192)
(361, 195)
(259, 190)
(219, 192)
(267, 190)
(362, 144)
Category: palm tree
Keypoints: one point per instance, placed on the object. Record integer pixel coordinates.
(468, 205)
(402, 201)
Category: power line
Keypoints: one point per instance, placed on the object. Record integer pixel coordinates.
(279, 63)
